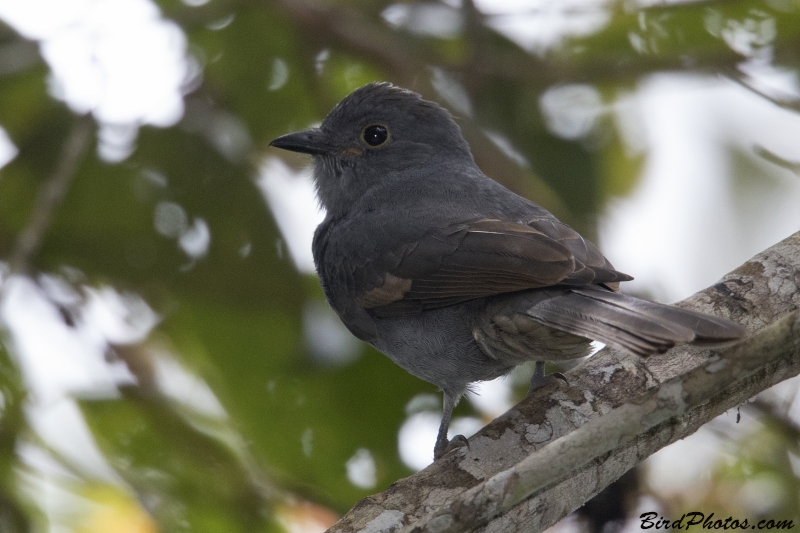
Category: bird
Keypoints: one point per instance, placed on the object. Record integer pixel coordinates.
(450, 274)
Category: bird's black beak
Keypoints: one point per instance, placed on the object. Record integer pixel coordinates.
(311, 141)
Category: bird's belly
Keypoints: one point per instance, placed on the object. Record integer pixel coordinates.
(438, 346)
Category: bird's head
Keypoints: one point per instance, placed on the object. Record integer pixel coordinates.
(377, 131)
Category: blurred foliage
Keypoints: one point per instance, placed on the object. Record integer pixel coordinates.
(757, 476)
(233, 318)
(13, 515)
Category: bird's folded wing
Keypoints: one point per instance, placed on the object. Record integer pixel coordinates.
(485, 258)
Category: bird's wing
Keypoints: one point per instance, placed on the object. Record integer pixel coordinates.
(484, 258)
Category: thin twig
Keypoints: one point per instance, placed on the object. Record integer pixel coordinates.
(790, 102)
(51, 195)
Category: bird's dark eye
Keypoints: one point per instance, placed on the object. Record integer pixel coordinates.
(375, 135)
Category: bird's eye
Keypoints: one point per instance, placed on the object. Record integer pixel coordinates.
(375, 135)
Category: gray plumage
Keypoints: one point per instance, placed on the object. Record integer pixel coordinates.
(451, 275)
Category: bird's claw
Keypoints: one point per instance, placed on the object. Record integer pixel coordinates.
(442, 449)
(539, 379)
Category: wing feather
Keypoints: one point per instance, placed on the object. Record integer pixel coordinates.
(485, 258)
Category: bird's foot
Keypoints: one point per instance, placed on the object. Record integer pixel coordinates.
(444, 447)
(539, 379)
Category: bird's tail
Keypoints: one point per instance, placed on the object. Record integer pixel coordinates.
(627, 323)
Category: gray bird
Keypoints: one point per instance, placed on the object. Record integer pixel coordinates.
(451, 275)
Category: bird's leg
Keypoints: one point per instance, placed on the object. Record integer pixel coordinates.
(444, 446)
(538, 378)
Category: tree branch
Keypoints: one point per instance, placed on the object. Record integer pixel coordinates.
(559, 447)
(52, 194)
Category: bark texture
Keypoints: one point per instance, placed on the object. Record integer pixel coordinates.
(562, 445)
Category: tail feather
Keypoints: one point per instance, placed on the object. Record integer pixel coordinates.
(627, 323)
(707, 328)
